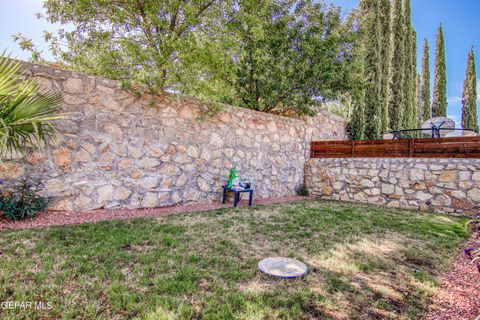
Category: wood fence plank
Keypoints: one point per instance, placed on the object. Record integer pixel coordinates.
(457, 147)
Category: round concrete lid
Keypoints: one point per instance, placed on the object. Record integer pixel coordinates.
(283, 267)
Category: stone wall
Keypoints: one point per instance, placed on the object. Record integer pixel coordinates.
(121, 150)
(440, 185)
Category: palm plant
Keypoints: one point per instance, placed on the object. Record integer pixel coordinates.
(26, 114)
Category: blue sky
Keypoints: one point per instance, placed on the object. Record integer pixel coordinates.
(460, 19)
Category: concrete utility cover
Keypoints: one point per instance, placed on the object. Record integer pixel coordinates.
(283, 267)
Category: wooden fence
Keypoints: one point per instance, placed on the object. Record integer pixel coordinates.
(458, 147)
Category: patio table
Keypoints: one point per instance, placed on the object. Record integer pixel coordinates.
(237, 192)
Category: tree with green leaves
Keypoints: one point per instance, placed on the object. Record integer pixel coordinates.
(418, 102)
(408, 76)
(385, 60)
(356, 118)
(146, 42)
(414, 83)
(469, 98)
(369, 13)
(409, 112)
(292, 56)
(426, 106)
(396, 98)
(26, 114)
(356, 123)
(439, 107)
(270, 55)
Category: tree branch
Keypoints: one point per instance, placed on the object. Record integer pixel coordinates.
(198, 14)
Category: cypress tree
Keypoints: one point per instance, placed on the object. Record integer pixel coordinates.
(418, 102)
(370, 26)
(426, 107)
(409, 76)
(413, 113)
(356, 125)
(469, 99)
(385, 60)
(396, 97)
(439, 107)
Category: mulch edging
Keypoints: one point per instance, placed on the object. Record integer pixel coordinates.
(459, 295)
(63, 218)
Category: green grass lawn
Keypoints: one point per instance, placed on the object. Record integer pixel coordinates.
(365, 262)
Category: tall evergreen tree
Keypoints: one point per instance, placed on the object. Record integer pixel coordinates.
(413, 113)
(439, 107)
(426, 107)
(410, 74)
(385, 60)
(356, 125)
(396, 97)
(469, 99)
(371, 40)
(418, 102)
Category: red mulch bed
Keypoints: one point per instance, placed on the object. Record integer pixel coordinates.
(459, 295)
(62, 218)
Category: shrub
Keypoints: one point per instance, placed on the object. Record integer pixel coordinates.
(22, 200)
(302, 190)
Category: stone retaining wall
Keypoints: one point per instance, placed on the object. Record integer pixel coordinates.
(440, 185)
(121, 150)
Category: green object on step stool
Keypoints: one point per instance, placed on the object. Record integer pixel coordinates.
(233, 176)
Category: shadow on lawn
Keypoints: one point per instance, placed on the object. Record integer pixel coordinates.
(372, 278)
